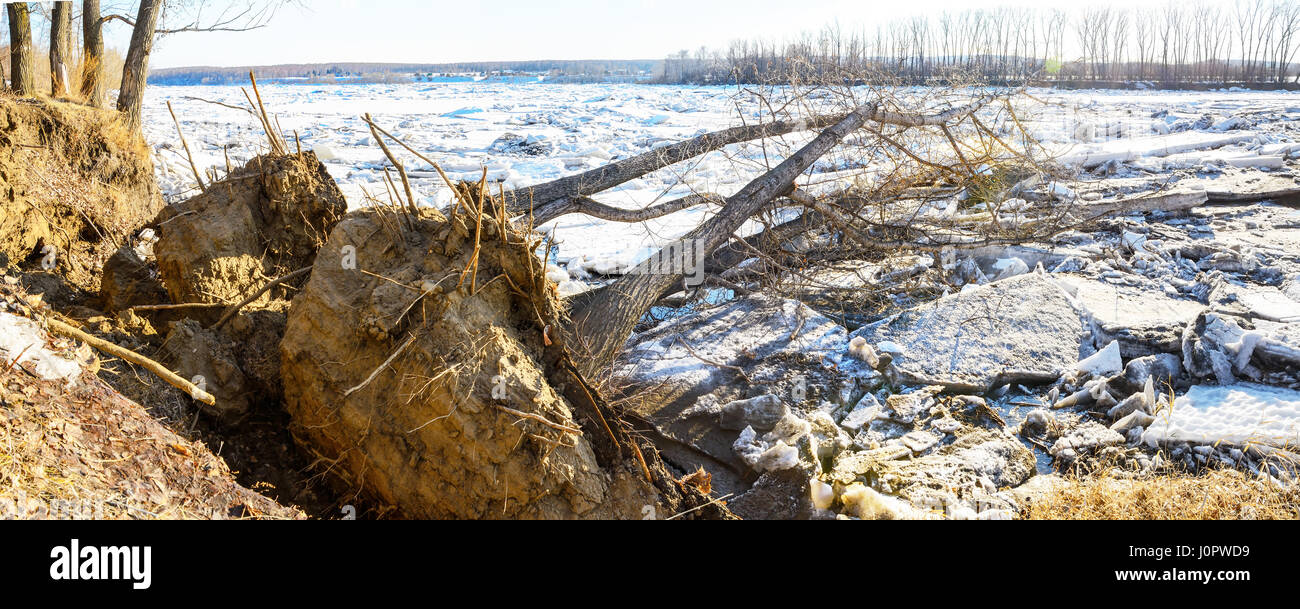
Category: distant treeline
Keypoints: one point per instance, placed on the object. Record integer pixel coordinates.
(565, 70)
(1180, 44)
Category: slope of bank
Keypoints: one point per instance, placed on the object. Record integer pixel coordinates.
(74, 183)
(75, 187)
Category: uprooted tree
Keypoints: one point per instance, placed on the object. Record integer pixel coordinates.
(603, 319)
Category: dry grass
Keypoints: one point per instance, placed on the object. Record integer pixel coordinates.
(113, 62)
(1212, 495)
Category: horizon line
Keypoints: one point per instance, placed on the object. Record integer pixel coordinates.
(389, 63)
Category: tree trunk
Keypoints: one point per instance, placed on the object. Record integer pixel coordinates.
(521, 200)
(92, 68)
(60, 47)
(603, 322)
(130, 97)
(22, 64)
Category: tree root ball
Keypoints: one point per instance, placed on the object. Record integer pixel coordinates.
(421, 365)
(264, 220)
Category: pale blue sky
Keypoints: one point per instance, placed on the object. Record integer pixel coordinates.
(438, 31)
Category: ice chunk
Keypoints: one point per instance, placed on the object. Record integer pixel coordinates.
(964, 344)
(556, 274)
(23, 340)
(864, 502)
(1103, 363)
(1062, 192)
(571, 288)
(325, 153)
(462, 112)
(919, 441)
(867, 409)
(1009, 267)
(780, 456)
(859, 348)
(788, 430)
(890, 347)
(761, 413)
(1087, 438)
(822, 494)
(1134, 241)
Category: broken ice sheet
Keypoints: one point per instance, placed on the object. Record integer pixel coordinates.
(1239, 414)
(1018, 330)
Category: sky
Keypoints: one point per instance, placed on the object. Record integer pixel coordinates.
(432, 31)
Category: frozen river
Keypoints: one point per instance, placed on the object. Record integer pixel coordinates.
(529, 133)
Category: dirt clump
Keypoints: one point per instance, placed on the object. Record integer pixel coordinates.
(130, 279)
(238, 364)
(425, 363)
(264, 220)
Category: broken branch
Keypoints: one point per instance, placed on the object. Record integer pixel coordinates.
(104, 346)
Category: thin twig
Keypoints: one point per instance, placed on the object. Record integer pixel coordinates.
(236, 307)
(539, 419)
(735, 369)
(186, 145)
(699, 507)
(409, 339)
(172, 378)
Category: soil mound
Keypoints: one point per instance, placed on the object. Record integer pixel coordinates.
(264, 220)
(425, 361)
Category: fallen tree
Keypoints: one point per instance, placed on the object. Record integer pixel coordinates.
(458, 320)
(603, 319)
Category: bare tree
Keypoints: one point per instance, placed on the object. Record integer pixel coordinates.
(1143, 38)
(22, 62)
(130, 97)
(183, 16)
(1247, 14)
(92, 64)
(1288, 25)
(4, 72)
(1118, 29)
(60, 47)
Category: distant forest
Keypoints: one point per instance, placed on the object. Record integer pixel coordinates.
(556, 71)
(1182, 44)
(1198, 44)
